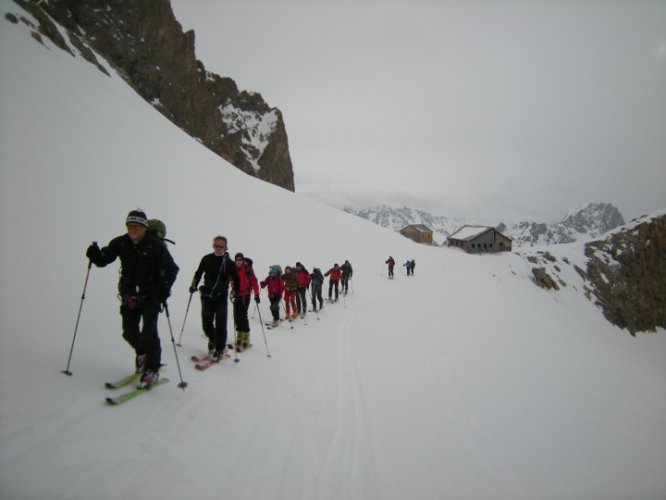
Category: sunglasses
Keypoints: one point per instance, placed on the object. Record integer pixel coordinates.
(219, 246)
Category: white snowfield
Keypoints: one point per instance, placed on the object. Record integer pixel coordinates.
(465, 381)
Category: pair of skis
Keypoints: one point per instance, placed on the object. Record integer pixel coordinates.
(125, 381)
(204, 361)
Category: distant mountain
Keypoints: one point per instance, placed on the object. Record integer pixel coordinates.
(398, 218)
(584, 222)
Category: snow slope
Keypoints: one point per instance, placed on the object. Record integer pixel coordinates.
(465, 381)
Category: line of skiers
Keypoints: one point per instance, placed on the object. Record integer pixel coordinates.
(409, 266)
(148, 272)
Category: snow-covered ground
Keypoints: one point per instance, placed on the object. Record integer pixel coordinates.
(465, 381)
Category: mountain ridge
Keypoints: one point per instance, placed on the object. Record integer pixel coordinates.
(585, 221)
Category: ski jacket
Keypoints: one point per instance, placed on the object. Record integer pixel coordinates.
(334, 273)
(317, 279)
(303, 278)
(347, 270)
(245, 282)
(290, 282)
(390, 262)
(217, 271)
(146, 268)
(408, 264)
(275, 285)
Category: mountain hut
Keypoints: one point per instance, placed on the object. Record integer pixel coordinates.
(480, 239)
(419, 233)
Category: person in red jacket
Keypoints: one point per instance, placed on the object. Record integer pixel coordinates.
(390, 263)
(290, 288)
(275, 285)
(303, 277)
(245, 283)
(334, 274)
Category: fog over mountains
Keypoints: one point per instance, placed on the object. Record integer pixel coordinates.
(583, 222)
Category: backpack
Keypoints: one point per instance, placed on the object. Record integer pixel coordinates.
(159, 228)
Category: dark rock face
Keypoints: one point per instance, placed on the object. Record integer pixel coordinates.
(628, 275)
(145, 43)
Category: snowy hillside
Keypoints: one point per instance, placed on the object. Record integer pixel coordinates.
(582, 223)
(465, 381)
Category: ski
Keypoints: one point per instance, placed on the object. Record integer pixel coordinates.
(122, 382)
(118, 400)
(206, 357)
(204, 364)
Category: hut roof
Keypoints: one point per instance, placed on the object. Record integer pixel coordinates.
(468, 233)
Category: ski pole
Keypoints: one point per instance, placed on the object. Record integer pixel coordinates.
(78, 317)
(268, 354)
(233, 303)
(182, 383)
(236, 358)
(287, 317)
(185, 319)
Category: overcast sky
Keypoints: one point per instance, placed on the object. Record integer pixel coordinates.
(488, 109)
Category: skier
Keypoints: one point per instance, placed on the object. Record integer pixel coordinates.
(303, 277)
(390, 263)
(317, 282)
(333, 280)
(347, 273)
(147, 273)
(245, 283)
(217, 270)
(408, 266)
(413, 266)
(275, 285)
(290, 288)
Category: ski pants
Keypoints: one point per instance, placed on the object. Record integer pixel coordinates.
(390, 271)
(241, 307)
(316, 295)
(289, 299)
(345, 283)
(214, 320)
(332, 284)
(275, 306)
(301, 301)
(144, 339)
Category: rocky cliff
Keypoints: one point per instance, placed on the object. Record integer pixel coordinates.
(623, 273)
(145, 44)
(627, 272)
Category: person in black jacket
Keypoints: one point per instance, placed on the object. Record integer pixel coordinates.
(347, 273)
(217, 270)
(147, 273)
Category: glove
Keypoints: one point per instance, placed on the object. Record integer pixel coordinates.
(257, 299)
(93, 252)
(193, 289)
